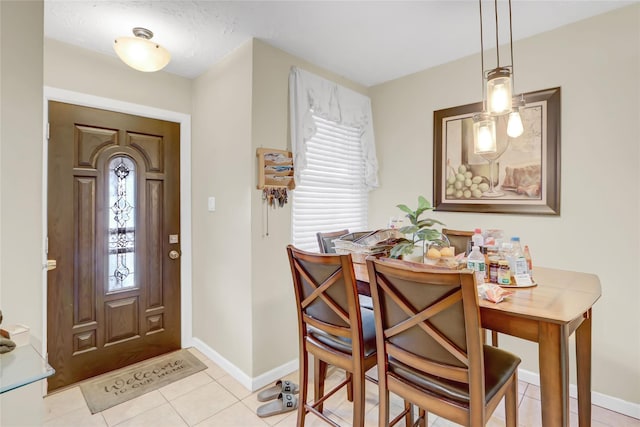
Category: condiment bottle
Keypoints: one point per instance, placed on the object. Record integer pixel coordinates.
(527, 256)
(493, 269)
(486, 264)
(504, 272)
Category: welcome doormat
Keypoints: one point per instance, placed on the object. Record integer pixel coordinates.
(117, 387)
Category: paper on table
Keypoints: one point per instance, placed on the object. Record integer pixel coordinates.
(493, 293)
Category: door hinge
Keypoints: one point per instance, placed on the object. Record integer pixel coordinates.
(46, 245)
(48, 128)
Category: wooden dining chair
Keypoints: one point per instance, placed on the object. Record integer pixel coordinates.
(327, 246)
(325, 240)
(459, 239)
(430, 349)
(333, 328)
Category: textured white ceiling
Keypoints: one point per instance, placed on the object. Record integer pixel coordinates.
(366, 41)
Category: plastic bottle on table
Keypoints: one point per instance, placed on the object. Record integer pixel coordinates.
(475, 262)
(506, 252)
(527, 256)
(477, 238)
(519, 263)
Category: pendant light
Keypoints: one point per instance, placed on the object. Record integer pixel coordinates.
(499, 84)
(484, 125)
(497, 95)
(515, 127)
(140, 52)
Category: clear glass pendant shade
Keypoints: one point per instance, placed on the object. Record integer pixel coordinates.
(484, 134)
(499, 91)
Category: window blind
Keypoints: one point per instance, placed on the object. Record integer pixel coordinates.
(330, 193)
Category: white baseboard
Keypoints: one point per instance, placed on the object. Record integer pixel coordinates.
(275, 374)
(252, 384)
(603, 400)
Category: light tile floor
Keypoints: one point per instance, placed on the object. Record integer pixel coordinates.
(214, 399)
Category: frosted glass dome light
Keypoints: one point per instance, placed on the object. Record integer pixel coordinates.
(140, 52)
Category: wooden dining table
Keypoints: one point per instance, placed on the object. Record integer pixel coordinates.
(548, 313)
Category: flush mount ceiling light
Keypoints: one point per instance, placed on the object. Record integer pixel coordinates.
(497, 90)
(140, 52)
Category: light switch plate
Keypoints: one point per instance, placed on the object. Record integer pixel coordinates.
(212, 204)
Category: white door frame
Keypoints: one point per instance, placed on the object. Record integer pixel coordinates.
(55, 94)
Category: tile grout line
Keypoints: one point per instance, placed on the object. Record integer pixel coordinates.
(143, 412)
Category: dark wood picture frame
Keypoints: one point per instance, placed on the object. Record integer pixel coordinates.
(528, 178)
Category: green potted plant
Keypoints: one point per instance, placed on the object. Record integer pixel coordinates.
(419, 232)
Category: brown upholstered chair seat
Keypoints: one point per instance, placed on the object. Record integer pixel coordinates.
(499, 365)
(344, 344)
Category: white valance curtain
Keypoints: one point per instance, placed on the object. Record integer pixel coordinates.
(309, 92)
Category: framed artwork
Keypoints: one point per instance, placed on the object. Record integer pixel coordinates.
(521, 177)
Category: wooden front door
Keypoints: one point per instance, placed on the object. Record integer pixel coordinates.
(113, 229)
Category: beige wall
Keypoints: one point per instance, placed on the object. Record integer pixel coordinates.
(80, 70)
(274, 319)
(222, 167)
(597, 230)
(21, 133)
(241, 285)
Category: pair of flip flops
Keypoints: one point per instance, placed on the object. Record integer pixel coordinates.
(282, 398)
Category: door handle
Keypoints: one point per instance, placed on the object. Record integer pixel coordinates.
(174, 254)
(51, 264)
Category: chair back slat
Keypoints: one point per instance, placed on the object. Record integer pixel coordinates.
(341, 331)
(440, 370)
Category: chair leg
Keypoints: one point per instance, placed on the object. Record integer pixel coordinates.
(409, 417)
(422, 418)
(319, 375)
(357, 380)
(494, 338)
(304, 387)
(511, 402)
(349, 386)
(383, 406)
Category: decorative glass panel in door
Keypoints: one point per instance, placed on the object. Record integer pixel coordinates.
(122, 214)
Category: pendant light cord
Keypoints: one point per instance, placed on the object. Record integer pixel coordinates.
(513, 73)
(484, 100)
(495, 7)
